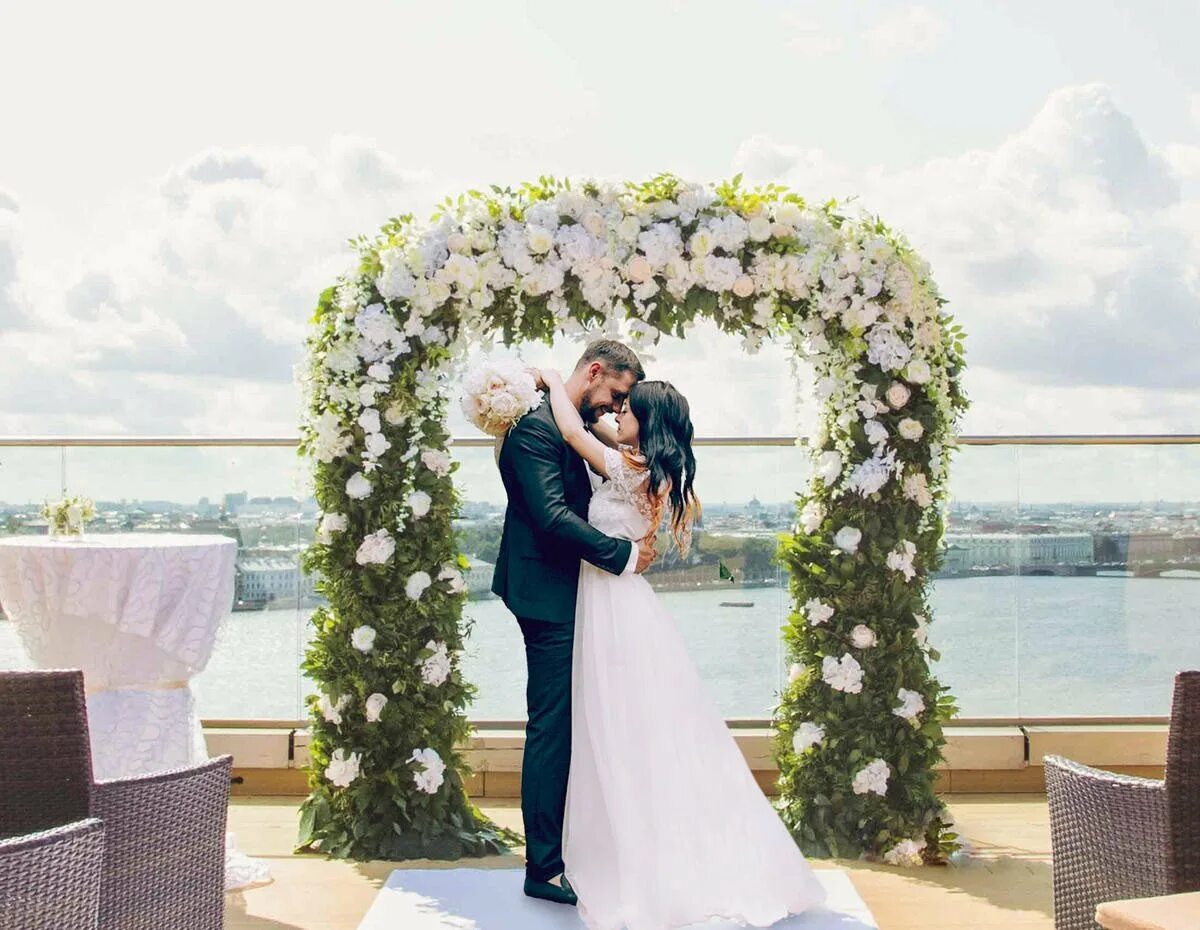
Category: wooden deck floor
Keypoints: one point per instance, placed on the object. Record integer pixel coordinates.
(1003, 883)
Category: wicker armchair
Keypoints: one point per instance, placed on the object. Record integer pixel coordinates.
(50, 880)
(46, 765)
(1115, 836)
(164, 848)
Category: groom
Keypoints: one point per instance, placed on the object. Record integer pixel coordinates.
(546, 534)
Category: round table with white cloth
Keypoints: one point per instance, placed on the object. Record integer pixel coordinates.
(138, 613)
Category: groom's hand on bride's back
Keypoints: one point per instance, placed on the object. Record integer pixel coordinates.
(646, 552)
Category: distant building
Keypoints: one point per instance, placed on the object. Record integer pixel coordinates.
(262, 580)
(233, 501)
(981, 550)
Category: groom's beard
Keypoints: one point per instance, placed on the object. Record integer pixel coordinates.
(587, 412)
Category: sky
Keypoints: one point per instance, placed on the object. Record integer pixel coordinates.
(177, 186)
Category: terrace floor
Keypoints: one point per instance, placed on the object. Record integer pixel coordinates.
(1004, 883)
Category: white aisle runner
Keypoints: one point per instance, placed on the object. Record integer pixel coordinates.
(492, 899)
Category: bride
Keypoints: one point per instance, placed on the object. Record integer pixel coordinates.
(665, 826)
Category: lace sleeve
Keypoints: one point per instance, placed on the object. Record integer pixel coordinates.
(625, 477)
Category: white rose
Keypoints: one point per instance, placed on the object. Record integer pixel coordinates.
(811, 516)
(343, 769)
(863, 637)
(332, 710)
(638, 269)
(829, 466)
(807, 735)
(375, 705)
(918, 371)
(540, 240)
(847, 539)
(416, 585)
(906, 852)
(743, 286)
(358, 487)
(363, 638)
(418, 503)
(436, 668)
(898, 394)
(759, 228)
(911, 429)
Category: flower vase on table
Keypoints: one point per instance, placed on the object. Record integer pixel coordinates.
(69, 516)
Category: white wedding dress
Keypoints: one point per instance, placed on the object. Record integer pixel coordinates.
(665, 826)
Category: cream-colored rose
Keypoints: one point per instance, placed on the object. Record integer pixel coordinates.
(743, 286)
(863, 637)
(911, 429)
(898, 394)
(638, 269)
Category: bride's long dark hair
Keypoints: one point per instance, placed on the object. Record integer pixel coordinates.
(665, 435)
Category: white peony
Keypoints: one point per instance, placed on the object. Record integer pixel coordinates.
(376, 549)
(416, 585)
(332, 710)
(898, 394)
(844, 674)
(911, 429)
(811, 516)
(911, 704)
(759, 228)
(431, 774)
(829, 466)
(436, 668)
(863, 637)
(847, 539)
(363, 638)
(376, 444)
(375, 705)
(358, 487)
(418, 503)
(369, 420)
(906, 852)
(807, 735)
(437, 462)
(331, 523)
(343, 769)
(817, 611)
(916, 488)
(872, 778)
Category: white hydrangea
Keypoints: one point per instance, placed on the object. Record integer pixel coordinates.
(911, 704)
(416, 585)
(872, 778)
(807, 735)
(871, 475)
(844, 674)
(376, 549)
(431, 774)
(342, 769)
(436, 461)
(916, 488)
(817, 611)
(358, 487)
(829, 466)
(419, 503)
(332, 710)
(887, 349)
(811, 516)
(363, 638)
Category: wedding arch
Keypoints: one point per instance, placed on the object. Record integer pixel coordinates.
(859, 721)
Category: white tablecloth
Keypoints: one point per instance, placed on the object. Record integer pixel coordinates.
(139, 613)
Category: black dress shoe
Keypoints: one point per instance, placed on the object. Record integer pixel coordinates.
(548, 891)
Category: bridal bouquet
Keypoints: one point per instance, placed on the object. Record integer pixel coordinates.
(498, 392)
(68, 516)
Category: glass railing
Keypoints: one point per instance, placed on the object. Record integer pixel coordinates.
(1071, 585)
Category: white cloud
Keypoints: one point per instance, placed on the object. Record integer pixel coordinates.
(810, 38)
(1069, 253)
(1194, 102)
(11, 311)
(914, 30)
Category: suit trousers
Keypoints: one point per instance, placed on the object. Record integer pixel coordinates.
(547, 758)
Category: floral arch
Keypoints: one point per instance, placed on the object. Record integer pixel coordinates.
(859, 723)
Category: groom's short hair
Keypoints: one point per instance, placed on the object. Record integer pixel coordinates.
(615, 356)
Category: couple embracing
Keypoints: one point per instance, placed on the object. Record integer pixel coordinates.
(638, 805)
